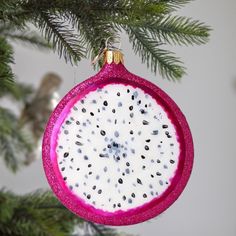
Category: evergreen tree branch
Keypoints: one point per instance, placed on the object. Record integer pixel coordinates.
(63, 39)
(28, 38)
(178, 30)
(14, 144)
(25, 215)
(148, 49)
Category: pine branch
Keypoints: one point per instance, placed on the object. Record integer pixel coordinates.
(174, 5)
(6, 59)
(96, 20)
(148, 49)
(63, 39)
(26, 37)
(14, 144)
(26, 215)
(178, 30)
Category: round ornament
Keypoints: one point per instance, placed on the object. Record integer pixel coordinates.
(117, 150)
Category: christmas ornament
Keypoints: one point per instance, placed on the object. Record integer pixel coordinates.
(117, 150)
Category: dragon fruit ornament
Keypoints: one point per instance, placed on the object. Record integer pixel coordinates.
(117, 150)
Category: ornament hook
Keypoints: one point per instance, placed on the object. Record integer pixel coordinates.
(108, 46)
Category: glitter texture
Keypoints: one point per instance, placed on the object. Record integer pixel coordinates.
(117, 73)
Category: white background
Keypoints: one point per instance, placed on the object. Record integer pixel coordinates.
(207, 96)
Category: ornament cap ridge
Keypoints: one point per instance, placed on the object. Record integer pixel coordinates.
(115, 56)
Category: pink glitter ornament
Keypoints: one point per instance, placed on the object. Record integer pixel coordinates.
(117, 150)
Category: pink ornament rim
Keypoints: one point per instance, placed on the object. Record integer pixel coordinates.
(113, 73)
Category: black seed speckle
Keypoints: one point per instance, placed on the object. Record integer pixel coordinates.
(102, 132)
(85, 157)
(118, 94)
(127, 164)
(131, 108)
(99, 191)
(77, 122)
(103, 155)
(172, 161)
(83, 110)
(139, 181)
(89, 165)
(124, 198)
(68, 122)
(119, 205)
(94, 187)
(63, 168)
(88, 196)
(90, 173)
(91, 113)
(152, 175)
(145, 122)
(113, 110)
(133, 195)
(114, 205)
(158, 174)
(132, 97)
(144, 195)
(120, 181)
(154, 132)
(65, 178)
(66, 154)
(143, 157)
(78, 169)
(148, 140)
(78, 143)
(146, 147)
(128, 90)
(158, 161)
(164, 126)
(105, 103)
(131, 114)
(142, 111)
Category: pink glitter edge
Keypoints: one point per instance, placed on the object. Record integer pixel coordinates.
(108, 74)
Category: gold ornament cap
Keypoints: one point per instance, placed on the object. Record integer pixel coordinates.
(115, 56)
